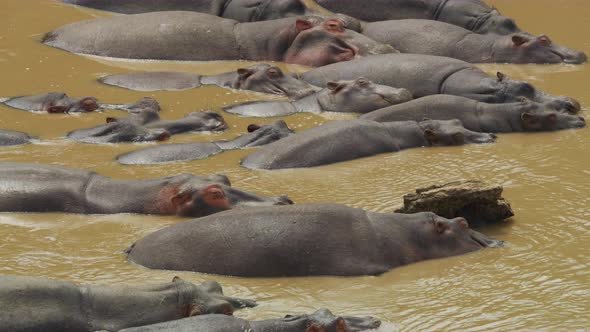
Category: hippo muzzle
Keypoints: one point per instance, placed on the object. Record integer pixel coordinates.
(484, 241)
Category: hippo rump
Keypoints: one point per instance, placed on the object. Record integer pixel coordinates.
(178, 35)
(11, 138)
(46, 305)
(292, 241)
(146, 126)
(443, 39)
(522, 116)
(44, 188)
(239, 10)
(322, 320)
(169, 153)
(358, 96)
(352, 139)
(261, 77)
(474, 15)
(425, 75)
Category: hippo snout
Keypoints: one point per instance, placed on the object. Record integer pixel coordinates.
(575, 58)
(484, 241)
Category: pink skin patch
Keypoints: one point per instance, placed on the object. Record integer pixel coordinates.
(215, 197)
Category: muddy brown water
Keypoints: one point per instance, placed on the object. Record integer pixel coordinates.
(540, 280)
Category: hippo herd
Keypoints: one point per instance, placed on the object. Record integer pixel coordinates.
(404, 67)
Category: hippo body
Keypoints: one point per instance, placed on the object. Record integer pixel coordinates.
(322, 320)
(477, 116)
(358, 96)
(239, 10)
(473, 15)
(168, 153)
(11, 137)
(292, 241)
(443, 39)
(262, 77)
(44, 188)
(425, 75)
(45, 305)
(352, 139)
(178, 35)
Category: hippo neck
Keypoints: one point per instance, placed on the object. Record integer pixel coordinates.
(225, 80)
(131, 196)
(407, 134)
(267, 40)
(112, 309)
(310, 103)
(480, 47)
(394, 236)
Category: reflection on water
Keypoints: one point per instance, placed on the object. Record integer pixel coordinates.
(540, 280)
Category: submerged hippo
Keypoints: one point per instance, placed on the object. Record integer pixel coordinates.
(44, 188)
(239, 10)
(425, 75)
(39, 304)
(443, 39)
(147, 126)
(11, 137)
(262, 77)
(168, 153)
(474, 15)
(177, 35)
(352, 139)
(293, 241)
(477, 116)
(323, 320)
(358, 96)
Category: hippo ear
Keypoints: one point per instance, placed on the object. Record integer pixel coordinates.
(214, 196)
(430, 136)
(441, 226)
(501, 76)
(303, 24)
(518, 40)
(314, 327)
(528, 117)
(176, 279)
(253, 127)
(163, 136)
(245, 72)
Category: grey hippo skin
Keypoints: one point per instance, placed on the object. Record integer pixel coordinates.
(292, 241)
(239, 10)
(443, 39)
(521, 116)
(168, 153)
(474, 15)
(425, 75)
(46, 305)
(177, 35)
(320, 321)
(147, 126)
(352, 139)
(11, 138)
(44, 188)
(262, 77)
(358, 96)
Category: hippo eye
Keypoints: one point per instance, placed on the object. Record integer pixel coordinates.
(272, 73)
(544, 40)
(334, 26)
(363, 82)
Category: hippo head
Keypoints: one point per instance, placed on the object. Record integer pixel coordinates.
(201, 197)
(119, 131)
(537, 117)
(524, 48)
(325, 321)
(360, 96)
(145, 103)
(452, 132)
(495, 23)
(450, 237)
(207, 298)
(208, 121)
(514, 90)
(263, 10)
(258, 135)
(271, 79)
(61, 103)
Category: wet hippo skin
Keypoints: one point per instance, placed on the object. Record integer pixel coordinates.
(44, 188)
(11, 137)
(46, 305)
(293, 241)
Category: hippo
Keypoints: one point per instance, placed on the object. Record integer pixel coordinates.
(45, 188)
(425, 75)
(146, 126)
(262, 77)
(239, 10)
(178, 35)
(293, 241)
(321, 320)
(522, 116)
(443, 39)
(168, 153)
(473, 15)
(11, 138)
(40, 304)
(352, 139)
(358, 96)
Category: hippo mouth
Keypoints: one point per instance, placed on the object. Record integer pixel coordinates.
(572, 59)
(484, 241)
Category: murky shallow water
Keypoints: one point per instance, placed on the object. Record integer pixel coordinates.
(540, 280)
